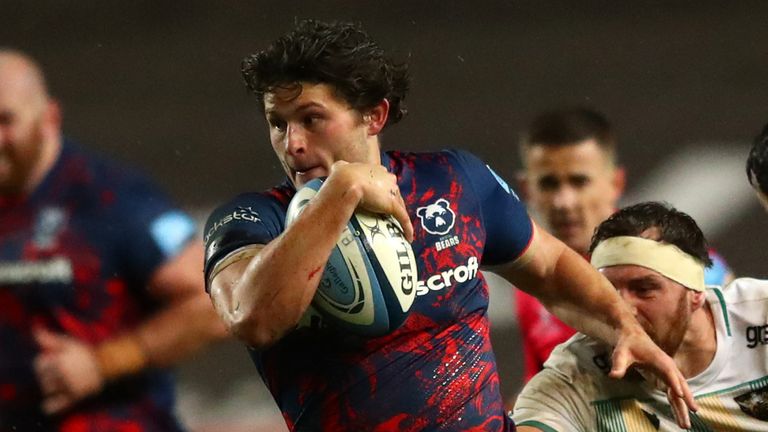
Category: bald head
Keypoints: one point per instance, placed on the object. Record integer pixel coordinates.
(29, 124)
(21, 71)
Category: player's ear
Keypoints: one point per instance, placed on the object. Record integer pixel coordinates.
(52, 117)
(699, 298)
(376, 117)
(522, 185)
(619, 181)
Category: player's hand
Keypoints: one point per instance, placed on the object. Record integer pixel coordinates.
(637, 349)
(379, 190)
(66, 370)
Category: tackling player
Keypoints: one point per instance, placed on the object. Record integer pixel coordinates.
(655, 257)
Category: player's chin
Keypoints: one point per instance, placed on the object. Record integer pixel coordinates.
(650, 331)
(574, 239)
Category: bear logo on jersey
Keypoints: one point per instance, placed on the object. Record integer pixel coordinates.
(437, 218)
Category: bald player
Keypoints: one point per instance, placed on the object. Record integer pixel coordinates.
(101, 284)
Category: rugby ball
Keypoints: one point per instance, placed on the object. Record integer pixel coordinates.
(369, 283)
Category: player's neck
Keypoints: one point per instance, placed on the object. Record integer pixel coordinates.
(699, 344)
(374, 150)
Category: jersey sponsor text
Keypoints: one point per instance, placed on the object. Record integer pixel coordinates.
(57, 270)
(446, 279)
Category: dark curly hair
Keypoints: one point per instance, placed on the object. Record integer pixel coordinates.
(676, 228)
(757, 162)
(339, 54)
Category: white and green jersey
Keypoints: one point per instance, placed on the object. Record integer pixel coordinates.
(574, 393)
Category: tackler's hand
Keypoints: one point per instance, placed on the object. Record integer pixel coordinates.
(637, 349)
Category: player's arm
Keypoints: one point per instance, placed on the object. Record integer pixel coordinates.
(541, 265)
(537, 262)
(263, 296)
(179, 286)
(569, 287)
(69, 370)
(580, 296)
(184, 323)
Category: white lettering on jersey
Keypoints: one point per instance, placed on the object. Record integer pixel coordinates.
(446, 279)
(241, 213)
(51, 271)
(447, 242)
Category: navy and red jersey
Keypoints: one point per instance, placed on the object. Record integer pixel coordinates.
(437, 371)
(75, 258)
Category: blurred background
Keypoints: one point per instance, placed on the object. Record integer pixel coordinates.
(157, 84)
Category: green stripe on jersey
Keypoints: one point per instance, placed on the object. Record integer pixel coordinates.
(538, 425)
(720, 297)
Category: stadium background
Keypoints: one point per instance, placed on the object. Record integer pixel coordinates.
(157, 84)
